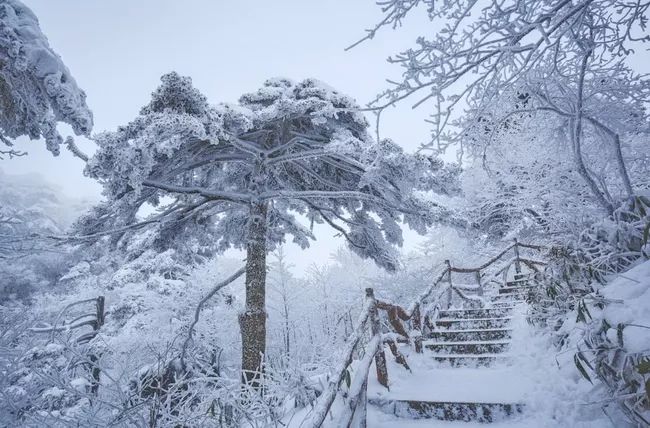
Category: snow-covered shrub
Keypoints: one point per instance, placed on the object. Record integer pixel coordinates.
(47, 383)
(602, 318)
(619, 240)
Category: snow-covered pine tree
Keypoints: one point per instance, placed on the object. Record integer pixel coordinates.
(36, 88)
(250, 175)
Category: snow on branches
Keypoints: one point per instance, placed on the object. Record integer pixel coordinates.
(302, 149)
(481, 48)
(36, 88)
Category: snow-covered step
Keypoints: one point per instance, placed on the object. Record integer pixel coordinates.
(509, 297)
(430, 382)
(507, 303)
(469, 361)
(476, 313)
(462, 335)
(449, 411)
(476, 348)
(458, 391)
(474, 323)
(515, 289)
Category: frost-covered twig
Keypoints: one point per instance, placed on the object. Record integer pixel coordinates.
(203, 301)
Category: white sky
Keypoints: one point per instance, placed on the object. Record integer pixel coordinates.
(118, 49)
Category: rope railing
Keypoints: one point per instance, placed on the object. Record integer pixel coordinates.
(354, 399)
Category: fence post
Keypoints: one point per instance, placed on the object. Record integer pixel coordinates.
(96, 371)
(478, 282)
(517, 262)
(361, 412)
(375, 329)
(449, 292)
(417, 325)
(100, 312)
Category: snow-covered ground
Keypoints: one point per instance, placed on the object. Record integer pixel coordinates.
(535, 374)
(546, 382)
(629, 304)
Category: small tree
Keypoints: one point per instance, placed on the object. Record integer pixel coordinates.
(36, 88)
(283, 286)
(249, 175)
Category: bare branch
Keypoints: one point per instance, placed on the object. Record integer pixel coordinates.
(203, 301)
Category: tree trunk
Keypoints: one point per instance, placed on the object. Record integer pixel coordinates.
(287, 331)
(576, 136)
(618, 153)
(622, 168)
(253, 321)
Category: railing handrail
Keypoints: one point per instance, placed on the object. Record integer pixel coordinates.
(328, 396)
(374, 347)
(96, 321)
(420, 299)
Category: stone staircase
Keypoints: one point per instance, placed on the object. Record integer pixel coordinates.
(468, 345)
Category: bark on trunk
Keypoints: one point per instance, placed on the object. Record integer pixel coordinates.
(576, 134)
(618, 153)
(253, 321)
(622, 168)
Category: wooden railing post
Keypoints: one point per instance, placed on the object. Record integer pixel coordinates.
(361, 413)
(449, 292)
(417, 325)
(96, 371)
(375, 329)
(100, 312)
(478, 282)
(517, 259)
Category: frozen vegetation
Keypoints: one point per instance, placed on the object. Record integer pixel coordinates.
(173, 301)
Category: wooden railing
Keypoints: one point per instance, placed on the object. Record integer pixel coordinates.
(94, 320)
(417, 315)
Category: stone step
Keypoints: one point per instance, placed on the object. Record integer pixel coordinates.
(470, 335)
(474, 348)
(476, 313)
(509, 297)
(468, 360)
(448, 411)
(475, 323)
(502, 303)
(515, 289)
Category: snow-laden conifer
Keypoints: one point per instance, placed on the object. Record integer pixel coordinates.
(254, 174)
(36, 88)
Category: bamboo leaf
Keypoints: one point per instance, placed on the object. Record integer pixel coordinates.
(606, 326)
(581, 369)
(584, 305)
(581, 314)
(619, 334)
(641, 207)
(348, 378)
(585, 360)
(644, 366)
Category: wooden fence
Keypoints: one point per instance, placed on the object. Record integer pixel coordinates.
(94, 319)
(407, 326)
